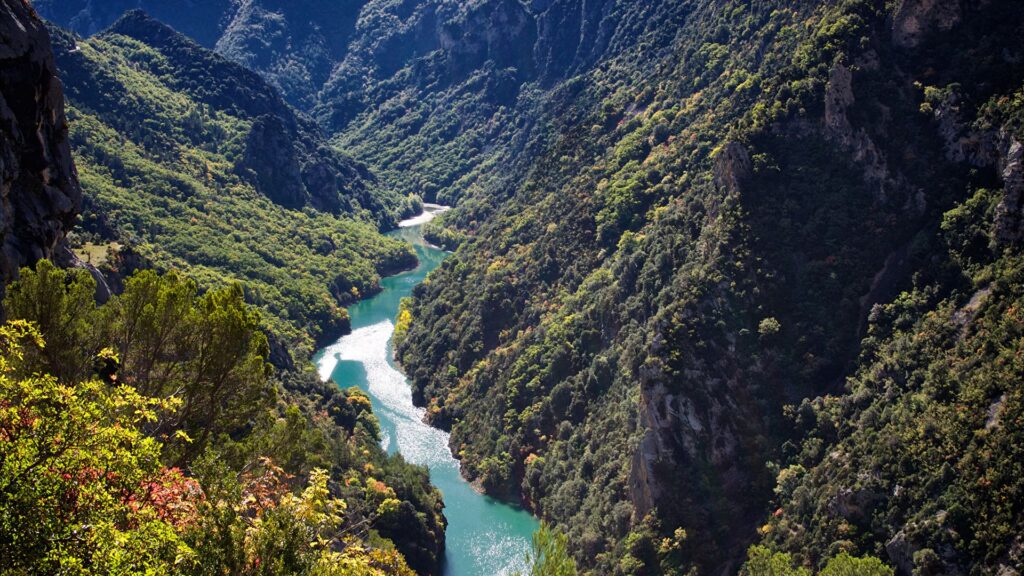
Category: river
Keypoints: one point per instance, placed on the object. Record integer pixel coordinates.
(484, 537)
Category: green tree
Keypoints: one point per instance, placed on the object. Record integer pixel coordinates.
(225, 383)
(151, 326)
(209, 351)
(77, 474)
(62, 304)
(846, 565)
(763, 562)
(769, 326)
(550, 554)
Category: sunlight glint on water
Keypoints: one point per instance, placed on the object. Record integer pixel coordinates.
(484, 537)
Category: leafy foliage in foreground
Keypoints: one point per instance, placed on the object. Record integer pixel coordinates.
(155, 432)
(549, 554)
(75, 471)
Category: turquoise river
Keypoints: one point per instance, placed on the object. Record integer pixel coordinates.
(484, 537)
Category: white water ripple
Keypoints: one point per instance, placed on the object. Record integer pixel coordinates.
(430, 211)
(418, 442)
(484, 538)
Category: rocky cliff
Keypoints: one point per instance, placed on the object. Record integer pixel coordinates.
(39, 187)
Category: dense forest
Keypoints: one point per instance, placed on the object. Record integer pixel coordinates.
(720, 213)
(736, 284)
(148, 433)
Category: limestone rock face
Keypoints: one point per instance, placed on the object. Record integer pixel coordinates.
(40, 195)
(1010, 212)
(678, 435)
(839, 97)
(916, 19)
(732, 167)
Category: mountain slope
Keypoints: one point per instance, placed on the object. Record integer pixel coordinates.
(432, 94)
(290, 162)
(202, 20)
(698, 244)
(295, 44)
(679, 220)
(191, 162)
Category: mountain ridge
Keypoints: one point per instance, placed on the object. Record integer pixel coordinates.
(265, 104)
(183, 153)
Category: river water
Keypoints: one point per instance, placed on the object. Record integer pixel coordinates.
(484, 537)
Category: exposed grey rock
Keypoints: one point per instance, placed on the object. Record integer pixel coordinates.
(732, 167)
(855, 505)
(1014, 560)
(1010, 212)
(905, 544)
(67, 259)
(960, 142)
(677, 433)
(916, 19)
(901, 552)
(839, 98)
(40, 195)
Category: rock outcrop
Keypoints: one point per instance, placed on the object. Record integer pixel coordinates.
(732, 167)
(839, 98)
(916, 19)
(961, 142)
(1010, 212)
(39, 190)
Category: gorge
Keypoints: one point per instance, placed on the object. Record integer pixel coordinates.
(730, 287)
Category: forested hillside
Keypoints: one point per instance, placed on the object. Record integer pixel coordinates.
(294, 43)
(191, 162)
(148, 436)
(700, 242)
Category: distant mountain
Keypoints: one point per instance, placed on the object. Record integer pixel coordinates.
(428, 93)
(203, 20)
(293, 43)
(284, 155)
